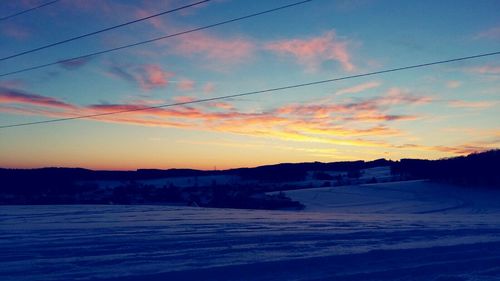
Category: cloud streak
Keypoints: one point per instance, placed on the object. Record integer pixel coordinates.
(359, 88)
(312, 52)
(485, 69)
(471, 104)
(74, 64)
(18, 97)
(362, 123)
(223, 51)
(147, 77)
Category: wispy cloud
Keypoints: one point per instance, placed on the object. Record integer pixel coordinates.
(472, 104)
(185, 85)
(183, 99)
(347, 124)
(462, 149)
(223, 51)
(485, 69)
(147, 77)
(15, 96)
(397, 96)
(221, 105)
(312, 52)
(286, 123)
(359, 88)
(74, 64)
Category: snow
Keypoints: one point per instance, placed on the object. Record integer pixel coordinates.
(390, 231)
(408, 197)
(176, 181)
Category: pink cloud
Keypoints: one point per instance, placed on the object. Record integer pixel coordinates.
(14, 96)
(147, 76)
(358, 88)
(397, 96)
(365, 110)
(312, 52)
(185, 85)
(154, 76)
(221, 105)
(226, 51)
(182, 99)
(464, 149)
(155, 22)
(340, 124)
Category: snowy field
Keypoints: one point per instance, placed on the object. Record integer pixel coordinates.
(390, 231)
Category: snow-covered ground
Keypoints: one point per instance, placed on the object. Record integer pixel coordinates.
(390, 231)
(407, 197)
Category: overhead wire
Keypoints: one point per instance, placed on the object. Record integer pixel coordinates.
(101, 30)
(28, 10)
(154, 39)
(269, 90)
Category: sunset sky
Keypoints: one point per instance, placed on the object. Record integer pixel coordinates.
(434, 112)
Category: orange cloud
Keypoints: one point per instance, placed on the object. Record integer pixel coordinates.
(322, 123)
(182, 99)
(221, 105)
(462, 149)
(312, 52)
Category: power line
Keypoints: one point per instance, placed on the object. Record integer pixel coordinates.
(101, 31)
(28, 10)
(257, 92)
(154, 39)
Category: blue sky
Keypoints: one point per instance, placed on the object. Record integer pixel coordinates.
(434, 112)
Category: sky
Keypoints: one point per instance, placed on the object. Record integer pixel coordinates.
(434, 112)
